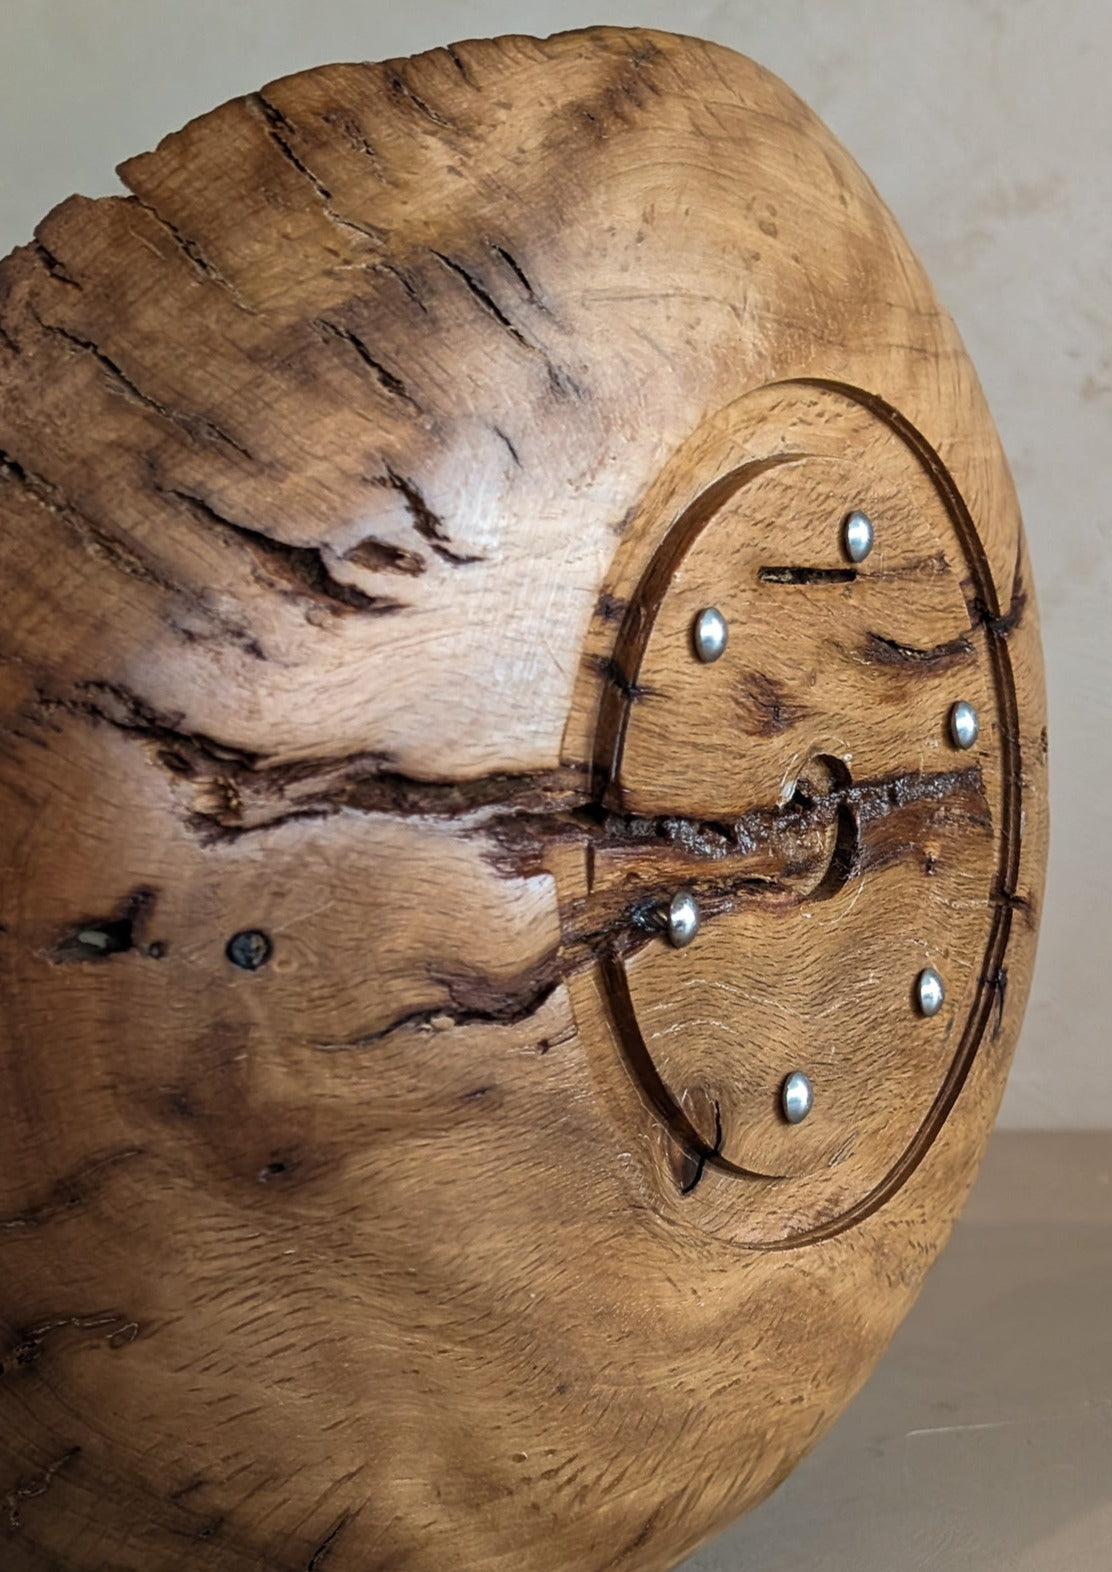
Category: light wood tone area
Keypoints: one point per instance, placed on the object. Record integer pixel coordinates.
(984, 1438)
(378, 1189)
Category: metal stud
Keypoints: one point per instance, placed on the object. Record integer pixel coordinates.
(857, 535)
(711, 634)
(681, 919)
(797, 1097)
(930, 991)
(965, 727)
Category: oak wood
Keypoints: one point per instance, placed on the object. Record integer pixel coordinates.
(361, 472)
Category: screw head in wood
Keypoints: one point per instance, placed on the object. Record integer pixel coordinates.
(682, 919)
(930, 991)
(857, 535)
(965, 727)
(249, 949)
(797, 1097)
(711, 634)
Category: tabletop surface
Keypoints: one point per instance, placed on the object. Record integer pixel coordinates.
(983, 1442)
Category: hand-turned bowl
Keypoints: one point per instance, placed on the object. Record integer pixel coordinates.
(522, 760)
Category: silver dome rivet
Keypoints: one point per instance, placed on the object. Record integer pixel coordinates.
(857, 536)
(930, 991)
(682, 919)
(964, 725)
(797, 1097)
(711, 634)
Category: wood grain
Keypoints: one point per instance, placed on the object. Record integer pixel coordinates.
(361, 473)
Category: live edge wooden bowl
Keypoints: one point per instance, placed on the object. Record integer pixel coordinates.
(380, 1190)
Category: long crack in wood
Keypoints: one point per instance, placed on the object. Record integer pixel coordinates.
(386, 379)
(198, 427)
(806, 848)
(303, 570)
(189, 248)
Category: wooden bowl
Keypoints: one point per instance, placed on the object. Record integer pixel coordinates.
(381, 1187)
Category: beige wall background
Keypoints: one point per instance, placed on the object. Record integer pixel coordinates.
(986, 125)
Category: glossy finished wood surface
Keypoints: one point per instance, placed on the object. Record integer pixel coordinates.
(378, 1189)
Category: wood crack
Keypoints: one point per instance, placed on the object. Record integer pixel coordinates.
(486, 300)
(70, 1191)
(776, 856)
(428, 524)
(52, 265)
(324, 1549)
(400, 88)
(113, 704)
(346, 124)
(694, 1159)
(36, 1485)
(302, 569)
(280, 129)
(401, 277)
(509, 446)
(613, 673)
(386, 379)
(804, 575)
(46, 495)
(561, 384)
(487, 1001)
(199, 427)
(519, 273)
(1001, 624)
(381, 556)
(123, 556)
(27, 1349)
(192, 251)
(523, 817)
(230, 803)
(454, 55)
(240, 791)
(881, 651)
